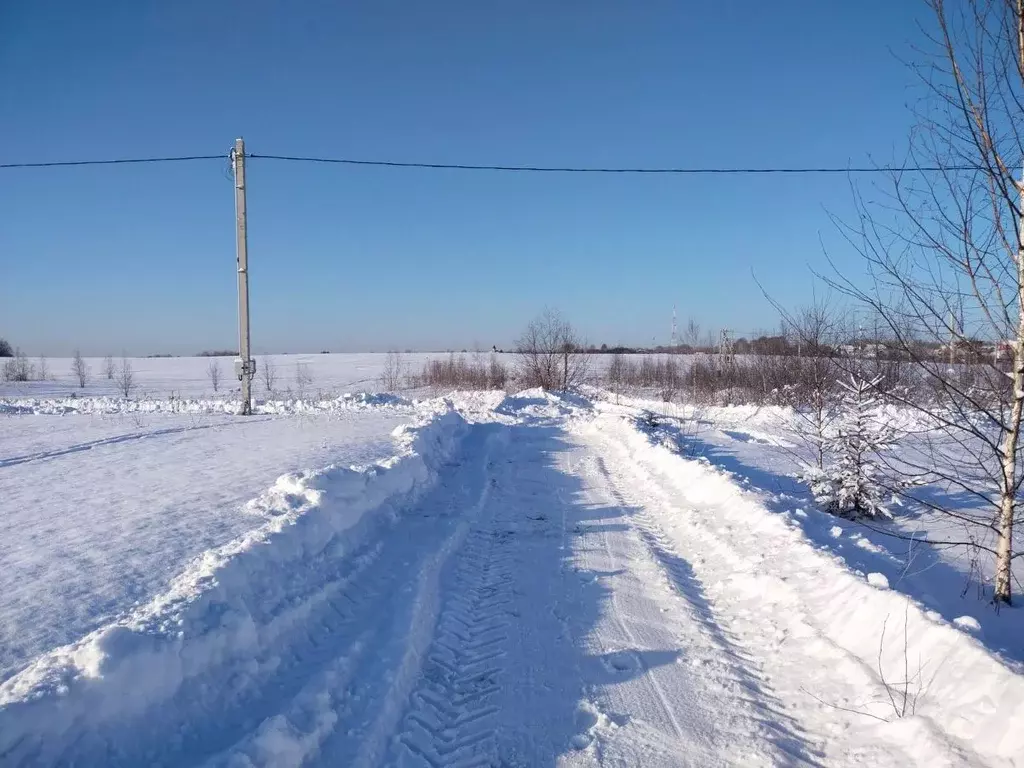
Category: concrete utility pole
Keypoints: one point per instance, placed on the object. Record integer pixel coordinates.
(245, 366)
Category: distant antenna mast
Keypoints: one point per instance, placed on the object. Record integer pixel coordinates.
(675, 328)
(725, 351)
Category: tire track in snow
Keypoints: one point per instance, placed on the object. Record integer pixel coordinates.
(451, 722)
(423, 625)
(782, 656)
(755, 711)
(334, 636)
(666, 707)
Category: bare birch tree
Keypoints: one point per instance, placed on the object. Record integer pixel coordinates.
(126, 377)
(269, 371)
(391, 376)
(109, 369)
(303, 379)
(946, 262)
(213, 371)
(80, 369)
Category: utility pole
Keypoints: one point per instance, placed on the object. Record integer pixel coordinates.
(245, 366)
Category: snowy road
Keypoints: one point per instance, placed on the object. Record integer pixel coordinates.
(540, 605)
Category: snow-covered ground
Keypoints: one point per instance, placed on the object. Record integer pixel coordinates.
(760, 447)
(516, 581)
(101, 512)
(189, 377)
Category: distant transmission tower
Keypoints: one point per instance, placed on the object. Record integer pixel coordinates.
(725, 351)
(675, 328)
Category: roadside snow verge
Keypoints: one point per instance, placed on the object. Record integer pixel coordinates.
(833, 637)
(231, 601)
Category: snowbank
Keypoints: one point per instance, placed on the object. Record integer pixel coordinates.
(107, 405)
(230, 602)
(539, 403)
(808, 603)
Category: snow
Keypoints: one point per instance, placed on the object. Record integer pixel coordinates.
(946, 580)
(530, 579)
(100, 512)
(968, 623)
(818, 625)
(878, 580)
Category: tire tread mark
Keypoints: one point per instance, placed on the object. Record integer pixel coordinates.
(451, 717)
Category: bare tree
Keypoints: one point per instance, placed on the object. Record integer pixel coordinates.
(551, 354)
(80, 369)
(43, 369)
(269, 371)
(303, 379)
(691, 334)
(125, 377)
(109, 369)
(810, 381)
(618, 374)
(946, 256)
(213, 371)
(391, 376)
(18, 368)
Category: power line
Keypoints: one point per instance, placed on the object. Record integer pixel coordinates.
(578, 169)
(506, 168)
(118, 161)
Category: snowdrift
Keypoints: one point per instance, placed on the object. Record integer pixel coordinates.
(833, 617)
(107, 405)
(539, 403)
(229, 603)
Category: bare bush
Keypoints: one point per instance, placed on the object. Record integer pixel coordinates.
(551, 355)
(810, 381)
(109, 369)
(303, 379)
(497, 373)
(43, 369)
(80, 369)
(213, 371)
(460, 373)
(391, 376)
(618, 375)
(125, 377)
(269, 375)
(18, 368)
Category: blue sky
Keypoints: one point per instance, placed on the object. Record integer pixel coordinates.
(141, 258)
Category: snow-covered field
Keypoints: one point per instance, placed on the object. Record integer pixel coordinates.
(518, 581)
(100, 512)
(189, 377)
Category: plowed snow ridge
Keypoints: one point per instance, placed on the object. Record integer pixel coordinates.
(540, 585)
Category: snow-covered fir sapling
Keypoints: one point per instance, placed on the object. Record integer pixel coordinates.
(851, 481)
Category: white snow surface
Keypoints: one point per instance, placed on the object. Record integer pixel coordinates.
(188, 377)
(100, 512)
(526, 580)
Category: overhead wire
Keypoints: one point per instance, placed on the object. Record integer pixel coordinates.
(117, 161)
(508, 168)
